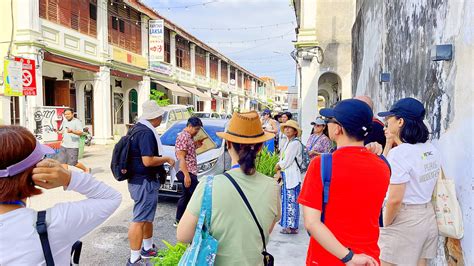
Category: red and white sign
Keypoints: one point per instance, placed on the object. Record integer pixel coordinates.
(28, 76)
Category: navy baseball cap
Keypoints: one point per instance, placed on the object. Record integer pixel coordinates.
(408, 108)
(354, 115)
(266, 111)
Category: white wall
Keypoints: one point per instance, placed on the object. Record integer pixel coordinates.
(445, 87)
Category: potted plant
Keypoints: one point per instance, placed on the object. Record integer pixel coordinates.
(169, 256)
(266, 162)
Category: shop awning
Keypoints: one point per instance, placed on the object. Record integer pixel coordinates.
(174, 88)
(193, 90)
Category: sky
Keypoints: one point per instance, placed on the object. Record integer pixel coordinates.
(256, 34)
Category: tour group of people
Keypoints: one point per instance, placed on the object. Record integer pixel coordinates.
(374, 208)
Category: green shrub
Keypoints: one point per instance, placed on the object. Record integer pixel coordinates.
(266, 162)
(159, 97)
(169, 256)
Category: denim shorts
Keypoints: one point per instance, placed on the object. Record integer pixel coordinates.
(145, 196)
(68, 156)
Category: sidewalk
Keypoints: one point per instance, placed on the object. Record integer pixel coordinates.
(289, 250)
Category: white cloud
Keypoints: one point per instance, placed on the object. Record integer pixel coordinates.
(241, 13)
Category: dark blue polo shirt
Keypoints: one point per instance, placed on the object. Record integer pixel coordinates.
(142, 144)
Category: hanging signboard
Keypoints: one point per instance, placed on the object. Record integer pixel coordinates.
(12, 74)
(28, 75)
(156, 43)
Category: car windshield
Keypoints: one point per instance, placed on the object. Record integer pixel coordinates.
(169, 137)
(165, 117)
(202, 115)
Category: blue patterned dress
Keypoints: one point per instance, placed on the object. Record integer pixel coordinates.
(290, 209)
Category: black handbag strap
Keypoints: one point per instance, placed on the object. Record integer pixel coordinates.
(42, 230)
(244, 198)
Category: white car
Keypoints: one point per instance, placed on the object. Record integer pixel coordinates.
(212, 115)
(212, 162)
(173, 113)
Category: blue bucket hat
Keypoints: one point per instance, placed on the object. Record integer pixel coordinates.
(266, 112)
(353, 115)
(408, 108)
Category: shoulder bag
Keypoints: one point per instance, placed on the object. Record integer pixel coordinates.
(268, 259)
(203, 249)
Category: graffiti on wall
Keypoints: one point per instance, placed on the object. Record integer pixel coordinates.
(47, 120)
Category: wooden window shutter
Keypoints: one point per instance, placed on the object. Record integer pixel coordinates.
(53, 10)
(74, 15)
(64, 7)
(43, 6)
(84, 16)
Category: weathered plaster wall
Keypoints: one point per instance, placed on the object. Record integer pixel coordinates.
(396, 37)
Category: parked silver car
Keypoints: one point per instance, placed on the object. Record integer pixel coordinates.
(173, 113)
(213, 115)
(211, 162)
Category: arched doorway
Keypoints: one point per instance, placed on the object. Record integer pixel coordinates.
(132, 106)
(329, 87)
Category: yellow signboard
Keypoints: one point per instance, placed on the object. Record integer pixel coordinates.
(13, 82)
(129, 58)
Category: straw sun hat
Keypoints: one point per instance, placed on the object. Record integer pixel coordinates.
(293, 124)
(245, 128)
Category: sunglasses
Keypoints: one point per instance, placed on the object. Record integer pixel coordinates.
(332, 120)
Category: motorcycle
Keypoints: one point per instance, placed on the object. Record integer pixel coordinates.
(88, 136)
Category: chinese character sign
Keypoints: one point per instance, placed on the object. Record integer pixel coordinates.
(156, 41)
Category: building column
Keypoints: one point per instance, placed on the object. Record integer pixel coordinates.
(219, 72)
(243, 81)
(228, 73)
(308, 95)
(173, 48)
(143, 93)
(193, 60)
(237, 79)
(102, 107)
(102, 29)
(5, 110)
(208, 66)
(80, 110)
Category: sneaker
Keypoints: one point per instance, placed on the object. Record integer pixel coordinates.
(149, 253)
(175, 224)
(136, 263)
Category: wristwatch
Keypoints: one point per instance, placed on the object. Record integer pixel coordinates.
(348, 257)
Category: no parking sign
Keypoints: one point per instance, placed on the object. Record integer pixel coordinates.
(28, 75)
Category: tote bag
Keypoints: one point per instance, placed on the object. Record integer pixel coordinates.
(447, 209)
(203, 249)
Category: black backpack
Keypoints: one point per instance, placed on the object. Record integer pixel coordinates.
(120, 159)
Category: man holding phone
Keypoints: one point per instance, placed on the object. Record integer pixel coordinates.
(186, 154)
(72, 129)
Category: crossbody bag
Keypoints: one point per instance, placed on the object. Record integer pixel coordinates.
(267, 257)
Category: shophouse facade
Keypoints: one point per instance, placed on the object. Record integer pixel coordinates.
(93, 56)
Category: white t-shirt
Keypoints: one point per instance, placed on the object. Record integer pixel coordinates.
(67, 222)
(417, 165)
